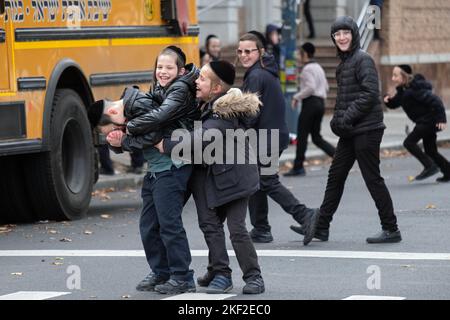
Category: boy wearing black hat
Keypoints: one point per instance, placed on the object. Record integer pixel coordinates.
(414, 94)
(218, 188)
(313, 93)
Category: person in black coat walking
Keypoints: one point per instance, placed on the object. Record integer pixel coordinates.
(358, 121)
(261, 77)
(427, 111)
(218, 187)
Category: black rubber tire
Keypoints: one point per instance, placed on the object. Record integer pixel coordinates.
(61, 181)
(14, 204)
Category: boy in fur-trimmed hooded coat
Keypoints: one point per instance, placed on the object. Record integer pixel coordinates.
(221, 189)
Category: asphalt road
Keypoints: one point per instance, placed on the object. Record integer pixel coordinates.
(101, 257)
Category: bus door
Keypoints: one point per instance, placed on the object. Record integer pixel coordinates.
(5, 80)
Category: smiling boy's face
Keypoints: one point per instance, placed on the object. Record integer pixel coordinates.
(204, 84)
(167, 69)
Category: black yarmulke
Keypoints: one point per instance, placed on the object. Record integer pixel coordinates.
(405, 67)
(95, 112)
(224, 70)
(260, 37)
(179, 52)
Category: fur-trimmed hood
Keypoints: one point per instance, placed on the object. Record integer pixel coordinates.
(236, 104)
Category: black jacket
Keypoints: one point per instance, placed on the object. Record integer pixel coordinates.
(266, 83)
(419, 102)
(155, 115)
(231, 180)
(358, 105)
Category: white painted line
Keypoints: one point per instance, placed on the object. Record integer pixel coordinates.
(261, 253)
(374, 298)
(200, 296)
(33, 295)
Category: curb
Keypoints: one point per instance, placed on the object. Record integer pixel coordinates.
(127, 181)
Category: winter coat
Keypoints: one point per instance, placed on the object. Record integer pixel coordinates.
(231, 180)
(358, 106)
(155, 115)
(419, 102)
(265, 82)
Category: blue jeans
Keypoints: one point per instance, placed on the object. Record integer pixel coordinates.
(163, 236)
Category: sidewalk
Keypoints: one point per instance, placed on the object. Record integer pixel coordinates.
(395, 120)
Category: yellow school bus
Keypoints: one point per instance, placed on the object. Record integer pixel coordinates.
(56, 58)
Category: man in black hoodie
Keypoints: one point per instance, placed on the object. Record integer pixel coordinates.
(358, 121)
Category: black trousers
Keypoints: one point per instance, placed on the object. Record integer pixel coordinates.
(309, 122)
(271, 186)
(427, 133)
(365, 149)
(309, 19)
(211, 222)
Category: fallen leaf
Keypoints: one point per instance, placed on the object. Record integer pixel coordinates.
(58, 258)
(127, 296)
(17, 274)
(411, 178)
(66, 240)
(57, 263)
(88, 232)
(52, 232)
(105, 216)
(431, 206)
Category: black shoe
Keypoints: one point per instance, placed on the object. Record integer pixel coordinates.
(386, 237)
(204, 280)
(106, 172)
(321, 234)
(261, 236)
(150, 281)
(173, 286)
(443, 179)
(310, 225)
(220, 284)
(295, 173)
(254, 286)
(428, 172)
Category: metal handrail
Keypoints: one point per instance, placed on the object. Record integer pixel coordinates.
(209, 7)
(366, 34)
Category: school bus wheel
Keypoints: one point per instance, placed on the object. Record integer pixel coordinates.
(64, 177)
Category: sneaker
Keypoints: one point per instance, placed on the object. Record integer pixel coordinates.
(150, 281)
(427, 172)
(310, 226)
(295, 173)
(220, 284)
(320, 234)
(254, 286)
(443, 179)
(173, 286)
(386, 237)
(261, 236)
(204, 280)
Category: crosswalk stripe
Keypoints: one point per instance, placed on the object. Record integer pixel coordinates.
(200, 296)
(33, 295)
(261, 253)
(374, 298)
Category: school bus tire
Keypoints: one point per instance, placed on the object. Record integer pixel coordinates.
(14, 207)
(63, 178)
